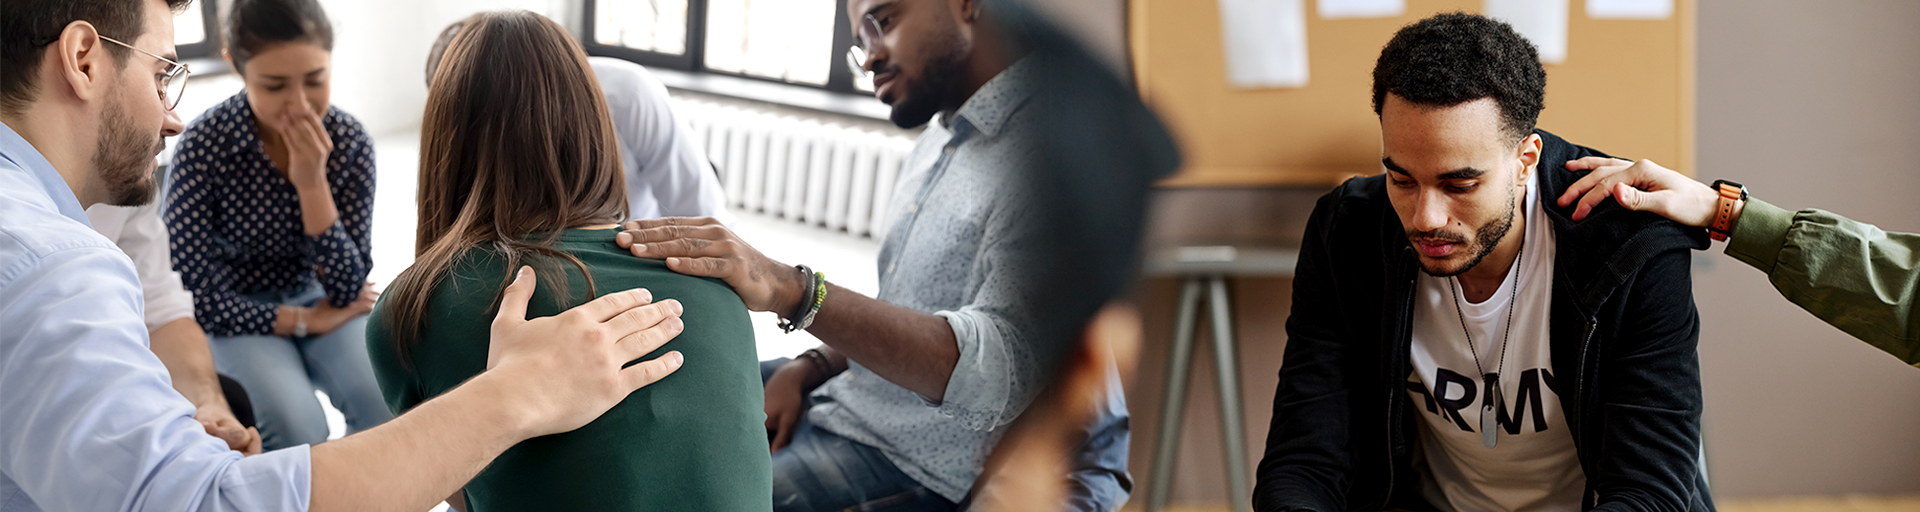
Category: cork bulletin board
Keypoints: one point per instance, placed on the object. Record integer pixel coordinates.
(1626, 87)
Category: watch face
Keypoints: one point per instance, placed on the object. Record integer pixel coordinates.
(1730, 189)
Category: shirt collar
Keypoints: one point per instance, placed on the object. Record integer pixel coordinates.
(22, 155)
(988, 109)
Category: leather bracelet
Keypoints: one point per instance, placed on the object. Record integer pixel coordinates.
(810, 305)
(1731, 194)
(819, 361)
(806, 290)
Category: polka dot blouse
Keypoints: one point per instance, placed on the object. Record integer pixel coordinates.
(235, 222)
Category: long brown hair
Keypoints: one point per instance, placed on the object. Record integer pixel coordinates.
(516, 147)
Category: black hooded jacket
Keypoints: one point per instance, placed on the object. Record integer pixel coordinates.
(1624, 337)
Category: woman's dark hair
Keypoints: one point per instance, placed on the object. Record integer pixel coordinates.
(1455, 58)
(515, 148)
(27, 27)
(256, 25)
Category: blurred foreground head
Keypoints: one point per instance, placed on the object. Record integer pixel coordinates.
(1098, 151)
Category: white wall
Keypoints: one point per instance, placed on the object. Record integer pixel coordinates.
(380, 46)
(380, 51)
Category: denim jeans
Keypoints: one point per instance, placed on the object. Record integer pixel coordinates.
(280, 374)
(820, 471)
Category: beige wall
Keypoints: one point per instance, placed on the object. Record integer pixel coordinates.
(1808, 103)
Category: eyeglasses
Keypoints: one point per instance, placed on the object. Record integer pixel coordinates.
(870, 32)
(174, 84)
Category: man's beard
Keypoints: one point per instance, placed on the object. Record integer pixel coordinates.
(124, 158)
(932, 90)
(1485, 240)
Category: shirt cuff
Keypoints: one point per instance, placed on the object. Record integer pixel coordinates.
(277, 480)
(166, 301)
(159, 315)
(980, 386)
(1760, 234)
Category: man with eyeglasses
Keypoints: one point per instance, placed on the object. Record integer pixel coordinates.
(174, 335)
(88, 420)
(915, 385)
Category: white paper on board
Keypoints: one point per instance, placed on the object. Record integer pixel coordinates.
(1266, 42)
(1337, 9)
(1544, 22)
(1630, 9)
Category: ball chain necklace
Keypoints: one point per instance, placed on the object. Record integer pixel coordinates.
(1489, 425)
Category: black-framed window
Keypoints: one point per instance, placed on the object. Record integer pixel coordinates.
(196, 31)
(800, 42)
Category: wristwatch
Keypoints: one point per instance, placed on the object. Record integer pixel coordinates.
(1731, 195)
(300, 322)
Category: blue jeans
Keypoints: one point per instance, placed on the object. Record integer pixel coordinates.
(281, 372)
(821, 471)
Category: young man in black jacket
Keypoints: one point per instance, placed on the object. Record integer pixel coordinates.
(1456, 342)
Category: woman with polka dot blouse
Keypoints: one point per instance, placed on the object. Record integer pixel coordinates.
(269, 212)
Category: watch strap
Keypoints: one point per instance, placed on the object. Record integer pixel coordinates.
(300, 322)
(1731, 194)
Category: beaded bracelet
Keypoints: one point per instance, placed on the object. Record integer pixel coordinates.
(800, 319)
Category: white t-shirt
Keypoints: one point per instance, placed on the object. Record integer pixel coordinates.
(139, 233)
(666, 175)
(1533, 466)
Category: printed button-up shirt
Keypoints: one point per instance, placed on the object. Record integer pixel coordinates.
(955, 249)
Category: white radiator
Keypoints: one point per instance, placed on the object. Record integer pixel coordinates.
(827, 174)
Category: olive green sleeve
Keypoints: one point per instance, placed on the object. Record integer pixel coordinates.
(1849, 274)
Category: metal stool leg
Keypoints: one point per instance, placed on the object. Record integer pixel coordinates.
(1226, 365)
(1173, 403)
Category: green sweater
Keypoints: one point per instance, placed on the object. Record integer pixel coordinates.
(1852, 275)
(695, 440)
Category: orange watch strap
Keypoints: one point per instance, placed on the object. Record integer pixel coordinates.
(1722, 227)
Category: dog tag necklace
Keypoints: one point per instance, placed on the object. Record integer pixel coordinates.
(1489, 422)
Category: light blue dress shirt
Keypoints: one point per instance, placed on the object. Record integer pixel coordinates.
(89, 420)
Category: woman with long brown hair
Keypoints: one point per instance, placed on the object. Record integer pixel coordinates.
(518, 166)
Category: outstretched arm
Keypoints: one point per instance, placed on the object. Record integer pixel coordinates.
(1849, 274)
(916, 350)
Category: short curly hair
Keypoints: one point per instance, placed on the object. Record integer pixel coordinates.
(1454, 58)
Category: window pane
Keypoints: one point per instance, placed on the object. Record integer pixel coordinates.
(651, 25)
(189, 27)
(790, 40)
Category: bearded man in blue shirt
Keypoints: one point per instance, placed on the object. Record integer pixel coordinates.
(91, 423)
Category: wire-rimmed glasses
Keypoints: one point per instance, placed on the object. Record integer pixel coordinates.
(869, 32)
(174, 84)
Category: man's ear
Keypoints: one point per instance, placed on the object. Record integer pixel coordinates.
(969, 11)
(1529, 154)
(84, 60)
